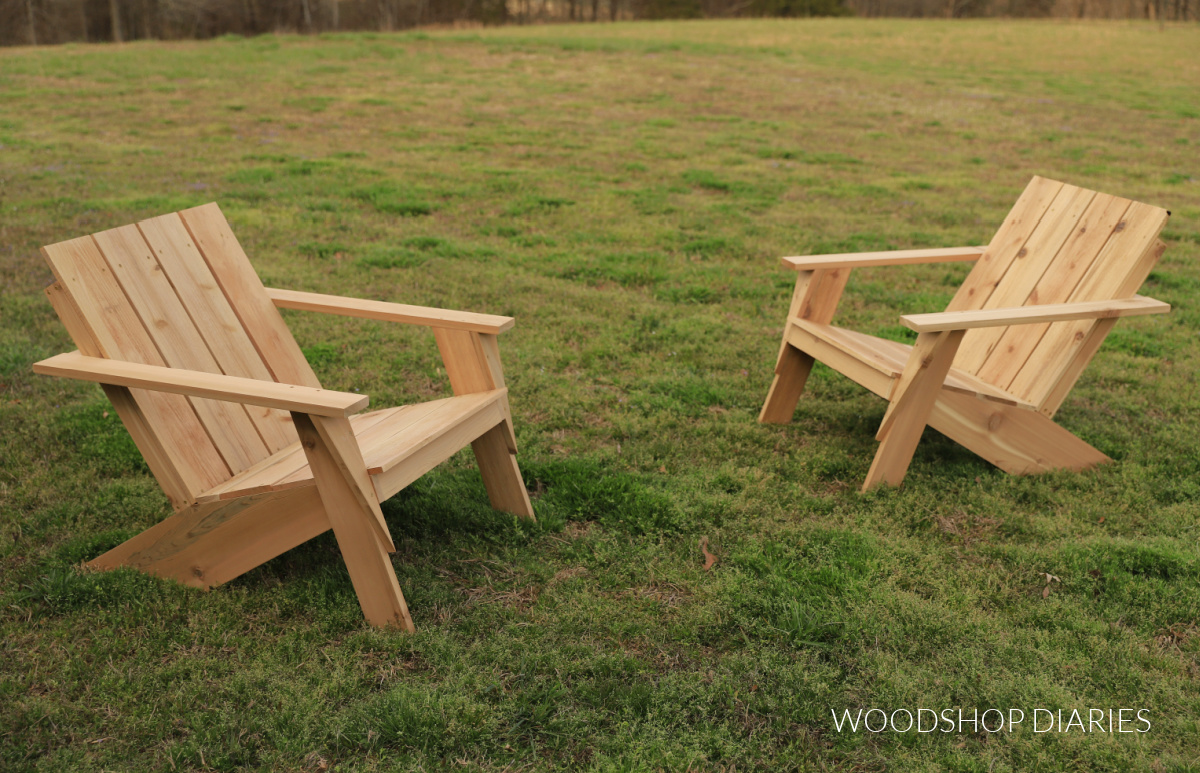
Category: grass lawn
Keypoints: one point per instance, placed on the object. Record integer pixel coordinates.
(624, 191)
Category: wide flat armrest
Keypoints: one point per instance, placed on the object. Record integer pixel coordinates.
(1026, 315)
(389, 312)
(892, 258)
(217, 386)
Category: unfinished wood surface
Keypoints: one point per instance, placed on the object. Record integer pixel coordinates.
(1008, 242)
(916, 392)
(390, 312)
(1018, 442)
(888, 258)
(178, 340)
(501, 476)
(320, 402)
(364, 551)
(890, 357)
(1013, 346)
(1064, 265)
(1061, 218)
(1136, 306)
(117, 333)
(402, 469)
(1117, 272)
(815, 297)
(246, 294)
(171, 319)
(217, 324)
(207, 544)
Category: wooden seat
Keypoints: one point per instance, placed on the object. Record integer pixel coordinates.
(992, 370)
(254, 456)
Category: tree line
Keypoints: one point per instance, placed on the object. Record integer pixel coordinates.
(39, 22)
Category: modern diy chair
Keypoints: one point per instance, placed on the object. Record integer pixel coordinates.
(254, 456)
(991, 371)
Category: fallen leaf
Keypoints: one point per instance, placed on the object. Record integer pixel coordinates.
(1101, 519)
(709, 558)
(1046, 591)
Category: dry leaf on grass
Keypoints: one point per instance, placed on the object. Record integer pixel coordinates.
(709, 558)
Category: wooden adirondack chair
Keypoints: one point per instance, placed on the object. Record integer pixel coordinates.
(254, 456)
(991, 371)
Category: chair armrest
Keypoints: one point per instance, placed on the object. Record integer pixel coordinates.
(1025, 315)
(892, 258)
(390, 312)
(216, 386)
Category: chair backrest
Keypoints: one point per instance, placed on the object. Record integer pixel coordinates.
(1059, 244)
(178, 291)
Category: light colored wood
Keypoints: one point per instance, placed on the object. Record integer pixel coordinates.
(1136, 306)
(390, 312)
(285, 464)
(172, 320)
(218, 326)
(1038, 252)
(1117, 272)
(365, 554)
(472, 364)
(402, 469)
(241, 285)
(920, 386)
(1018, 442)
(320, 402)
(792, 369)
(1064, 265)
(498, 466)
(124, 403)
(890, 357)
(117, 333)
(179, 342)
(815, 297)
(1055, 285)
(889, 258)
(928, 354)
(1008, 242)
(339, 443)
(207, 544)
(466, 364)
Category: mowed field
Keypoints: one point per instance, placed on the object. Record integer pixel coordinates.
(625, 192)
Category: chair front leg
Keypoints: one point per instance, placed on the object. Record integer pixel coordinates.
(353, 511)
(913, 398)
(472, 362)
(815, 298)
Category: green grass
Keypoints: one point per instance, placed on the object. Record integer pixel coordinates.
(624, 191)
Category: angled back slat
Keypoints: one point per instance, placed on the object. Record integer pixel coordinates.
(1059, 244)
(201, 297)
(116, 332)
(180, 343)
(246, 293)
(155, 294)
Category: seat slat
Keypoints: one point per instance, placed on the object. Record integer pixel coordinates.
(386, 438)
(241, 285)
(119, 334)
(178, 341)
(1055, 285)
(1027, 266)
(201, 296)
(890, 357)
(266, 475)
